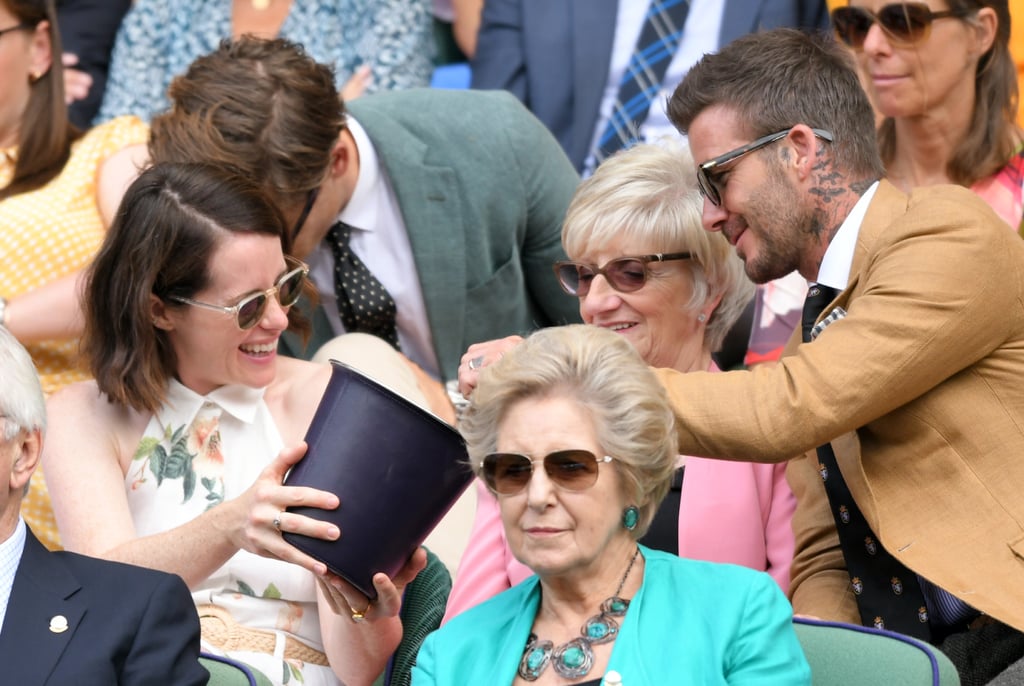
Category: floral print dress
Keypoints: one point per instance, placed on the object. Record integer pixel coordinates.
(195, 453)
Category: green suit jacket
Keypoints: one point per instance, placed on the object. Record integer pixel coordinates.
(483, 188)
(919, 388)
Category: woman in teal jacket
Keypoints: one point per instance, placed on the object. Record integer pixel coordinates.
(575, 437)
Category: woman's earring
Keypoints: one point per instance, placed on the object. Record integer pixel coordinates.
(702, 317)
(630, 517)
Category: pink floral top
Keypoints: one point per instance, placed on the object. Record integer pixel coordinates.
(196, 452)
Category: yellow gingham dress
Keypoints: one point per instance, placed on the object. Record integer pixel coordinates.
(44, 235)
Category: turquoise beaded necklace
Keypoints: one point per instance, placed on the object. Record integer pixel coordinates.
(574, 659)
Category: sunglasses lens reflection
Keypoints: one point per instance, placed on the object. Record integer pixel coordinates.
(626, 275)
(290, 288)
(251, 311)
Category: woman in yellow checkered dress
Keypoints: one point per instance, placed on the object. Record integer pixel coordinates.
(58, 191)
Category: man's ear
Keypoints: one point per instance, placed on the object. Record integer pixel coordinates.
(806, 147)
(28, 448)
(341, 155)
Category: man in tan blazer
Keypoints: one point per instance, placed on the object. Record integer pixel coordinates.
(916, 374)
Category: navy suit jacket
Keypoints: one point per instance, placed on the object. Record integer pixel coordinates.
(126, 625)
(554, 54)
(483, 189)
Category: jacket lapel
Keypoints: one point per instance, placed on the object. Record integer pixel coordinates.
(593, 32)
(44, 591)
(434, 220)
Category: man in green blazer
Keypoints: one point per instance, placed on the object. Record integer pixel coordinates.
(456, 197)
(912, 373)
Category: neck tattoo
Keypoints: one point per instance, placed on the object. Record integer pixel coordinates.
(574, 659)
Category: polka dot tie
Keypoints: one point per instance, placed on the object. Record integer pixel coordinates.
(363, 302)
(888, 594)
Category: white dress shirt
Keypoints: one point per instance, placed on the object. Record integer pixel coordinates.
(10, 558)
(381, 241)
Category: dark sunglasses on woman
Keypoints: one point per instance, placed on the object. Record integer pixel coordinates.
(250, 309)
(624, 274)
(571, 470)
(905, 23)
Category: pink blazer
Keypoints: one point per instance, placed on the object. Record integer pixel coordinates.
(738, 512)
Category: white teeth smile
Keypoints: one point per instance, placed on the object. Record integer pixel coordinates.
(260, 349)
(620, 327)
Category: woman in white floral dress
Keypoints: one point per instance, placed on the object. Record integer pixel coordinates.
(174, 457)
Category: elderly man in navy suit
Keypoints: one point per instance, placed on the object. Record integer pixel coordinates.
(67, 618)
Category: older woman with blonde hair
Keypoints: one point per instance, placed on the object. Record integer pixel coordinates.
(574, 436)
(643, 267)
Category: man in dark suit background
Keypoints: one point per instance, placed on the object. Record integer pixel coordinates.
(563, 60)
(87, 32)
(67, 618)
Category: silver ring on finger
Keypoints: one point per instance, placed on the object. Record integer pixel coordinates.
(277, 520)
(476, 363)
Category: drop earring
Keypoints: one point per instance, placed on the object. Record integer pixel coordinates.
(630, 517)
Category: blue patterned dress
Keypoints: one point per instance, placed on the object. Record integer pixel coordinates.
(159, 39)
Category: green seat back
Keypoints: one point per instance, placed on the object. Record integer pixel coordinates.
(853, 655)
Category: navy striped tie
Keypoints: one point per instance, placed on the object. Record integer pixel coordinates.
(660, 36)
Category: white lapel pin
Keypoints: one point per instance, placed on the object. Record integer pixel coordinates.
(58, 624)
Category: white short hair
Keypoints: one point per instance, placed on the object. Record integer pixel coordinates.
(21, 396)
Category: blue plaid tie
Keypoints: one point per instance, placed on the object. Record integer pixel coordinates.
(660, 36)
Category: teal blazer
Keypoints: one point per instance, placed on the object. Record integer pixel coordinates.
(690, 623)
(483, 188)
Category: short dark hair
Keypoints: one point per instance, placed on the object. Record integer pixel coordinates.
(170, 222)
(777, 79)
(262, 107)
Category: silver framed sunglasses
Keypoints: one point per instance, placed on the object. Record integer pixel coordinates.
(250, 309)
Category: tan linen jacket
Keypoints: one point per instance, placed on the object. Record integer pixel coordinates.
(920, 389)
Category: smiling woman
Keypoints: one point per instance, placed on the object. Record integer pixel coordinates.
(644, 268)
(192, 422)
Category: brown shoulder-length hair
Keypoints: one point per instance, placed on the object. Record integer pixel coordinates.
(45, 133)
(262, 107)
(992, 136)
(169, 224)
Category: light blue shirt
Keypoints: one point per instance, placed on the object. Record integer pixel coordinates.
(10, 558)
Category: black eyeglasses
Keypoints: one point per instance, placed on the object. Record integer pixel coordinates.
(709, 185)
(572, 470)
(624, 274)
(905, 23)
(19, 27)
(306, 209)
(251, 308)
